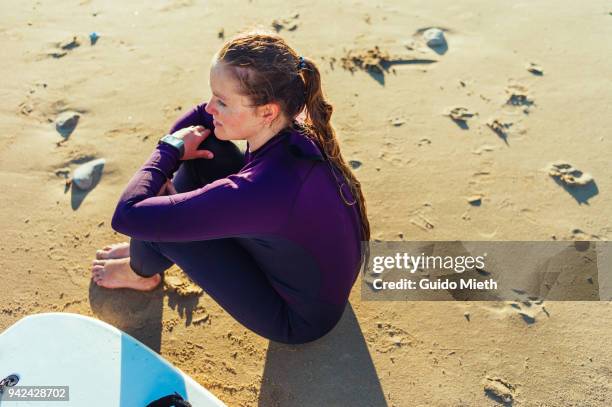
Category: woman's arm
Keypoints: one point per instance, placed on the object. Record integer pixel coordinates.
(233, 206)
(229, 207)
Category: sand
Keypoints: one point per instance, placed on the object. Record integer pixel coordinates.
(518, 86)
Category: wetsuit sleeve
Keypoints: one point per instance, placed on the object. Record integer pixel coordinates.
(229, 207)
(197, 116)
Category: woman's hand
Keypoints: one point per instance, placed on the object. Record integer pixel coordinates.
(193, 136)
(167, 189)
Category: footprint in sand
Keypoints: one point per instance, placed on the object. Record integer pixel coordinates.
(62, 48)
(422, 222)
(376, 61)
(460, 115)
(485, 148)
(176, 281)
(175, 5)
(500, 128)
(568, 175)
(580, 185)
(424, 142)
(499, 390)
(289, 23)
(578, 234)
(518, 96)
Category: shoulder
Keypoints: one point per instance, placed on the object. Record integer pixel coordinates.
(302, 145)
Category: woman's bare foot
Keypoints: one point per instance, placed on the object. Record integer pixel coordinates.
(114, 251)
(117, 273)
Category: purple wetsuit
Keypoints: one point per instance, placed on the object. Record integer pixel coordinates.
(272, 242)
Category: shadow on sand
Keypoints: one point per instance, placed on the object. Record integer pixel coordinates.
(336, 370)
(137, 313)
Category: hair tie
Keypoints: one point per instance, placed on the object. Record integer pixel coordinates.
(301, 64)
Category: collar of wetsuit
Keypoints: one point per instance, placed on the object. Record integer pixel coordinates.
(303, 147)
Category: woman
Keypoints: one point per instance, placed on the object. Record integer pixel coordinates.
(274, 235)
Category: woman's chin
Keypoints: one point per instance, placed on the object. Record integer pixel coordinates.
(220, 134)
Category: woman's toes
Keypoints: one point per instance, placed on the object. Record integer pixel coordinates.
(98, 262)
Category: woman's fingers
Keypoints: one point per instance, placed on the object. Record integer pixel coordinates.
(170, 188)
(192, 137)
(201, 131)
(203, 154)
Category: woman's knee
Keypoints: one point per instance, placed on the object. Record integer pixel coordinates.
(228, 159)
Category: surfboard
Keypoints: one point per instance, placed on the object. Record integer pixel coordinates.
(100, 364)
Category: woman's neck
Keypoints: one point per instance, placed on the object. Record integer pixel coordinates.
(265, 135)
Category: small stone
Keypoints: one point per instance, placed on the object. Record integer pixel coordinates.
(467, 316)
(221, 33)
(355, 164)
(475, 200)
(87, 175)
(434, 37)
(66, 122)
(397, 121)
(535, 69)
(93, 38)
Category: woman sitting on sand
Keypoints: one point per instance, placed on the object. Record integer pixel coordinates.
(273, 235)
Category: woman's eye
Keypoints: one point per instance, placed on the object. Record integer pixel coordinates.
(221, 103)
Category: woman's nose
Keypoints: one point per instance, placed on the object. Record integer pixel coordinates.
(209, 108)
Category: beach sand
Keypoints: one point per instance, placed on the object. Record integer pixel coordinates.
(418, 169)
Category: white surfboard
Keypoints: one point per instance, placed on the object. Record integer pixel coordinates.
(102, 365)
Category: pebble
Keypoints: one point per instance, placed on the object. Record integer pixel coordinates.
(355, 164)
(434, 37)
(85, 175)
(93, 38)
(475, 200)
(535, 69)
(66, 122)
(397, 121)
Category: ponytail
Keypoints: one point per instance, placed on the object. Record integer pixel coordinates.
(318, 121)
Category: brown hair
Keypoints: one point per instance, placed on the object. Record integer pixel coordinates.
(269, 70)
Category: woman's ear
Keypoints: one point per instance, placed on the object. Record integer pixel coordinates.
(269, 112)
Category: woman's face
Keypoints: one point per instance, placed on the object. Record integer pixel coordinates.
(234, 118)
